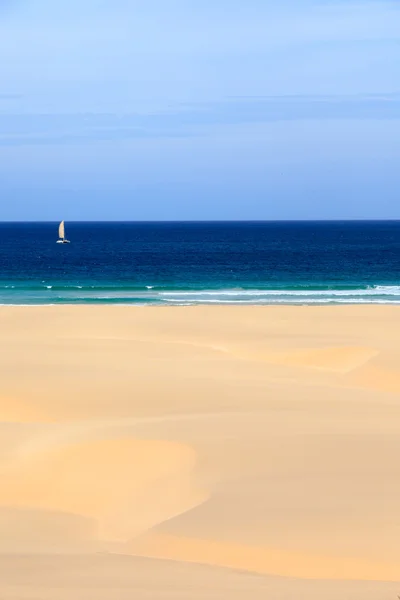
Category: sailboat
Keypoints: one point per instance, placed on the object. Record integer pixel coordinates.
(61, 234)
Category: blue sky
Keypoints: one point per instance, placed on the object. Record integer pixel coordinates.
(199, 109)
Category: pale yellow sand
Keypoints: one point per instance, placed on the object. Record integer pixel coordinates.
(203, 452)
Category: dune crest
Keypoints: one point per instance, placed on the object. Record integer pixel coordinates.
(340, 359)
(263, 560)
(126, 485)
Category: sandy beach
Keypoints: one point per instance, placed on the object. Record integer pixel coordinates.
(199, 452)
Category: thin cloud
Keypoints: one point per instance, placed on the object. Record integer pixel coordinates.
(188, 120)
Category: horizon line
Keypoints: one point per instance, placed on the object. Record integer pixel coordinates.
(160, 221)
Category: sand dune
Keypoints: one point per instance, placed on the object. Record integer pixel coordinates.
(377, 377)
(126, 486)
(263, 560)
(341, 359)
(259, 439)
(101, 577)
(30, 530)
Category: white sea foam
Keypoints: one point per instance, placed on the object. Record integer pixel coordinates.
(282, 301)
(361, 292)
(380, 294)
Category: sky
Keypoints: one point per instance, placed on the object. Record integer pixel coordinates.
(199, 109)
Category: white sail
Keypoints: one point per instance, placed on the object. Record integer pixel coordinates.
(61, 231)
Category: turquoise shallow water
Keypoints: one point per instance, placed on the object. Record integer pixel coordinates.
(201, 263)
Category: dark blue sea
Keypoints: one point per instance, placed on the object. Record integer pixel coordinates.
(201, 263)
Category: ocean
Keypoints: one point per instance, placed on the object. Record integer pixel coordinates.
(201, 263)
